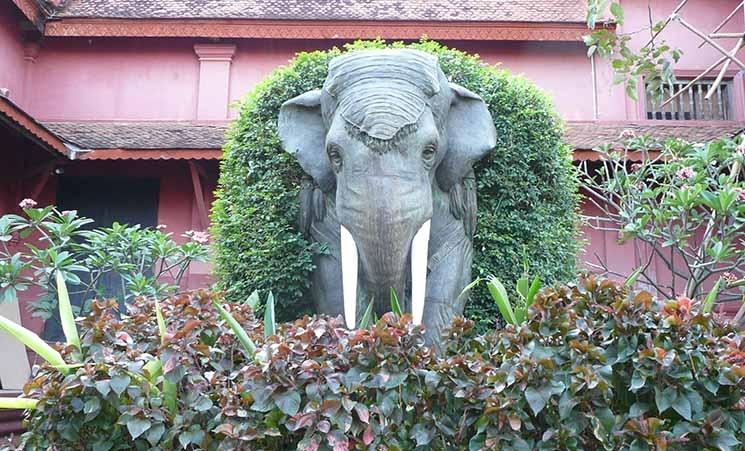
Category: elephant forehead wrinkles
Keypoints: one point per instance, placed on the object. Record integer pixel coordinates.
(418, 68)
(381, 114)
(382, 94)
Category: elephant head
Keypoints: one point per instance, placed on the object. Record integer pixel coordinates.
(385, 135)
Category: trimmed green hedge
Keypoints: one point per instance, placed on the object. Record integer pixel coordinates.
(527, 188)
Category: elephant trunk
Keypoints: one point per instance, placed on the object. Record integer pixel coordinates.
(385, 225)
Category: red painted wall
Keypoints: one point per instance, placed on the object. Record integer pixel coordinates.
(114, 79)
(145, 79)
(12, 65)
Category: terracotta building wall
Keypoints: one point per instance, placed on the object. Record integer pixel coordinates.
(106, 79)
(142, 79)
(12, 65)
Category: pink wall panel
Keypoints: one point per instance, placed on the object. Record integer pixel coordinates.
(561, 69)
(109, 79)
(255, 59)
(12, 65)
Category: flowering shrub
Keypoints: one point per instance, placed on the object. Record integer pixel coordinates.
(110, 262)
(594, 367)
(686, 202)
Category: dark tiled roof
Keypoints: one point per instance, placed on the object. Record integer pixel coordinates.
(200, 135)
(141, 135)
(591, 134)
(398, 10)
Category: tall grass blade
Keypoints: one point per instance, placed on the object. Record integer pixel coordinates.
(170, 397)
(65, 312)
(161, 321)
(522, 288)
(253, 300)
(712, 296)
(367, 318)
(499, 294)
(469, 287)
(395, 306)
(155, 367)
(631, 280)
(270, 325)
(243, 337)
(18, 403)
(35, 343)
(535, 287)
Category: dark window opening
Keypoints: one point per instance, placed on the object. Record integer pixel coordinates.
(105, 200)
(692, 104)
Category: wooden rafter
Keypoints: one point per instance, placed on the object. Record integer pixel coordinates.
(202, 214)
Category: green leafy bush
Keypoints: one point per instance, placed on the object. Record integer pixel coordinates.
(594, 367)
(527, 187)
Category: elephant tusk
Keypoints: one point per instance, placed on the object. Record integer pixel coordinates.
(419, 250)
(349, 259)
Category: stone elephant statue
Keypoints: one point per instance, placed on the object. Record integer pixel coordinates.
(388, 146)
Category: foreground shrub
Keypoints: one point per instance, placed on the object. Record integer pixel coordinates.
(593, 367)
(527, 183)
(596, 367)
(109, 403)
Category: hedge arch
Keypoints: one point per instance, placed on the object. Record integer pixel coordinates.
(527, 189)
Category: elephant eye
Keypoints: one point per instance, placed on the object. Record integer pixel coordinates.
(335, 157)
(428, 155)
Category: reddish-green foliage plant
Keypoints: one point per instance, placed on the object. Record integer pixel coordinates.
(112, 402)
(595, 366)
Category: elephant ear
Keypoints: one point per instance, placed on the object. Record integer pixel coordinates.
(471, 135)
(303, 134)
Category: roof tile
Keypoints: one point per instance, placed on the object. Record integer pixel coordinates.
(379, 10)
(200, 135)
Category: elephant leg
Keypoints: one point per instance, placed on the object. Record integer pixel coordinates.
(326, 285)
(445, 282)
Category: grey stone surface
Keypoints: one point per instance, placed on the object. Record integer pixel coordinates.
(388, 145)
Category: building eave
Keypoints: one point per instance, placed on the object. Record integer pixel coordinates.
(151, 154)
(33, 12)
(15, 118)
(317, 29)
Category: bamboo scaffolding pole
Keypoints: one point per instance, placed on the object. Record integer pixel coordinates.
(720, 77)
(667, 22)
(725, 35)
(695, 31)
(724, 22)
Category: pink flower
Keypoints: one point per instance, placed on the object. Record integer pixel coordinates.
(740, 194)
(198, 236)
(729, 277)
(636, 166)
(686, 173)
(27, 203)
(67, 212)
(161, 227)
(628, 134)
